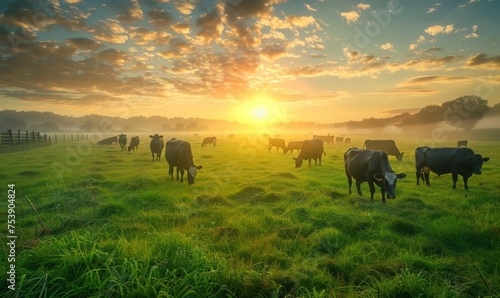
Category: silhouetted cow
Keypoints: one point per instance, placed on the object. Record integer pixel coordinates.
(339, 140)
(326, 139)
(347, 140)
(122, 140)
(230, 136)
(311, 149)
(388, 146)
(134, 143)
(293, 146)
(178, 154)
(108, 141)
(462, 143)
(457, 161)
(156, 145)
(209, 140)
(371, 166)
(278, 143)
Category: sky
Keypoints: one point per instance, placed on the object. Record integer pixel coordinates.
(246, 60)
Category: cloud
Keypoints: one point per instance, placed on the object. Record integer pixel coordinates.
(72, 1)
(434, 79)
(129, 11)
(438, 29)
(431, 9)
(363, 6)
(184, 7)
(388, 47)
(473, 34)
(211, 26)
(309, 7)
(160, 18)
(110, 30)
(482, 60)
(273, 51)
(301, 22)
(84, 43)
(350, 16)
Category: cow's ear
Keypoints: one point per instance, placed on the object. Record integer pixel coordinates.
(402, 153)
(378, 177)
(401, 175)
(294, 158)
(199, 167)
(486, 159)
(161, 136)
(150, 136)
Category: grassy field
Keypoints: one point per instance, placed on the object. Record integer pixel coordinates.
(251, 226)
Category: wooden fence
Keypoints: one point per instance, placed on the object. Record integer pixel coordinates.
(16, 138)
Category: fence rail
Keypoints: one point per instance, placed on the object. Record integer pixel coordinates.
(10, 137)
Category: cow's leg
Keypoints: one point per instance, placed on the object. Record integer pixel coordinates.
(426, 176)
(465, 182)
(358, 186)
(455, 179)
(418, 174)
(171, 172)
(372, 189)
(153, 155)
(182, 174)
(349, 182)
(320, 160)
(309, 162)
(382, 190)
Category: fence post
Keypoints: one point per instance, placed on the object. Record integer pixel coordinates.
(45, 137)
(38, 134)
(27, 137)
(64, 138)
(33, 135)
(50, 140)
(18, 136)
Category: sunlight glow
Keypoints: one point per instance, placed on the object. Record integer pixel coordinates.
(259, 113)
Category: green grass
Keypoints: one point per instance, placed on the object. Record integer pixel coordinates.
(251, 226)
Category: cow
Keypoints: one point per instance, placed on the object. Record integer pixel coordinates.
(134, 143)
(178, 154)
(209, 140)
(108, 141)
(293, 146)
(462, 143)
(230, 136)
(339, 140)
(457, 161)
(371, 166)
(278, 143)
(122, 140)
(388, 146)
(156, 146)
(311, 149)
(326, 139)
(347, 140)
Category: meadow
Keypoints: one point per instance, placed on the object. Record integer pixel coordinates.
(115, 225)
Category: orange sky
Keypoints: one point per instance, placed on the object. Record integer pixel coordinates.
(226, 59)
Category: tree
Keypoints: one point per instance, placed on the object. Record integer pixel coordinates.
(50, 127)
(88, 126)
(465, 111)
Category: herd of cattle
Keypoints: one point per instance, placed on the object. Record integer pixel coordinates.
(370, 164)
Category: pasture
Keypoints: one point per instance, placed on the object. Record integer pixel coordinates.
(251, 226)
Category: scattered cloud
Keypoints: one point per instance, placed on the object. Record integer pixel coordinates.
(350, 16)
(438, 29)
(309, 7)
(388, 47)
(363, 6)
(482, 60)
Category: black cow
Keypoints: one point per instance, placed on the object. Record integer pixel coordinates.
(371, 166)
(108, 141)
(209, 140)
(134, 143)
(339, 140)
(457, 161)
(178, 154)
(156, 146)
(293, 146)
(388, 146)
(122, 140)
(278, 143)
(311, 149)
(347, 140)
(462, 143)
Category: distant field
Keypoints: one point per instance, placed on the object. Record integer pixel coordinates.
(251, 226)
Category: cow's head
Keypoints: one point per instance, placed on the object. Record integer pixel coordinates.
(192, 173)
(476, 162)
(298, 162)
(389, 180)
(400, 156)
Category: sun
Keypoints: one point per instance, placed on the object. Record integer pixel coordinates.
(259, 113)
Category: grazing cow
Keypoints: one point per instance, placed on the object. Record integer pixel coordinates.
(178, 154)
(134, 143)
(388, 146)
(462, 143)
(230, 136)
(209, 140)
(457, 161)
(108, 141)
(311, 149)
(339, 140)
(278, 143)
(122, 140)
(347, 140)
(326, 139)
(371, 166)
(293, 146)
(156, 146)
